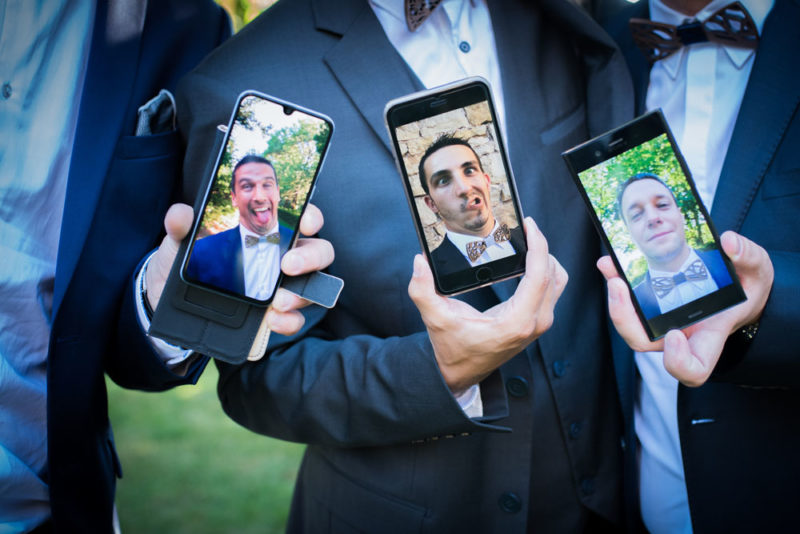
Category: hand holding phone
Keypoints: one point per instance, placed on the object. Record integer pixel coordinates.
(250, 216)
(644, 204)
(458, 184)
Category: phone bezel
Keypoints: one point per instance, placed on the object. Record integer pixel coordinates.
(430, 103)
(612, 144)
(212, 180)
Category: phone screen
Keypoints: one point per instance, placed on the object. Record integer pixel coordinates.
(261, 184)
(459, 185)
(647, 209)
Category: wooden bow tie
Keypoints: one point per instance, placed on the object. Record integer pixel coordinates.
(418, 10)
(731, 25)
(251, 240)
(476, 248)
(663, 285)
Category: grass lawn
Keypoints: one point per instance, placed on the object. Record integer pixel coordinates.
(188, 468)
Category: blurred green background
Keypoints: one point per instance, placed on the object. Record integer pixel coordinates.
(188, 468)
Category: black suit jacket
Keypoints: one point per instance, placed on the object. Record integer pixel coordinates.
(118, 190)
(739, 432)
(447, 259)
(389, 448)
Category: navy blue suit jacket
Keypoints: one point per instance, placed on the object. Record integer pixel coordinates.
(716, 269)
(739, 432)
(218, 260)
(118, 190)
(447, 259)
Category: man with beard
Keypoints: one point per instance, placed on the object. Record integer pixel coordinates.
(457, 190)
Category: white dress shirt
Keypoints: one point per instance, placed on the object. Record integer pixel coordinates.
(700, 90)
(262, 265)
(495, 250)
(455, 41)
(43, 53)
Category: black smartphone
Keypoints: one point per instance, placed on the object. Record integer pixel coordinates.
(644, 203)
(262, 180)
(458, 184)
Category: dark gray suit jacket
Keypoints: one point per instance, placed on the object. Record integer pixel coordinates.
(389, 449)
(739, 432)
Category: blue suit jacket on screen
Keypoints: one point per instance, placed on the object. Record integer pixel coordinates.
(716, 269)
(118, 189)
(218, 260)
(739, 432)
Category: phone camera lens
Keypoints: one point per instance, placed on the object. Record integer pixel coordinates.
(287, 110)
(597, 153)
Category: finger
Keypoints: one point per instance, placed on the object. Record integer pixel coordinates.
(312, 220)
(539, 270)
(607, 268)
(684, 361)
(177, 222)
(748, 258)
(422, 291)
(285, 323)
(625, 319)
(310, 254)
(545, 313)
(286, 301)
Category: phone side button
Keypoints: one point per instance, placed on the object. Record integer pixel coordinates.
(483, 274)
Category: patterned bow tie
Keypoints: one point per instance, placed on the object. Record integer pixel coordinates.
(418, 10)
(251, 240)
(663, 285)
(476, 248)
(730, 25)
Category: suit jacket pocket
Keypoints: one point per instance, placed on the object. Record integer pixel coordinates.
(573, 121)
(781, 184)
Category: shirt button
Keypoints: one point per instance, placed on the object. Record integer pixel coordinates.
(560, 368)
(464, 46)
(7, 90)
(517, 386)
(574, 430)
(510, 502)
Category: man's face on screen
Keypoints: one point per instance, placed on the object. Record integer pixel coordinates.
(459, 190)
(655, 222)
(256, 196)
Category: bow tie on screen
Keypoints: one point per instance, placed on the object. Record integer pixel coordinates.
(476, 248)
(251, 240)
(418, 10)
(663, 285)
(731, 25)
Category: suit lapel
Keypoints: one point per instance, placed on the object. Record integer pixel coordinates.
(770, 100)
(106, 92)
(364, 62)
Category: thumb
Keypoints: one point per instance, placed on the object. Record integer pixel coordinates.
(421, 287)
(744, 254)
(177, 222)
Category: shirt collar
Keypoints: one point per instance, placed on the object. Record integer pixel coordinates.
(689, 260)
(461, 240)
(659, 12)
(396, 8)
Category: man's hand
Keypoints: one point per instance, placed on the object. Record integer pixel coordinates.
(309, 255)
(691, 354)
(468, 344)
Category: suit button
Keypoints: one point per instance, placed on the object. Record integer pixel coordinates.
(517, 386)
(510, 502)
(560, 368)
(574, 430)
(7, 90)
(587, 486)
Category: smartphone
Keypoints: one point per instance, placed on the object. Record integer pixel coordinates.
(644, 203)
(260, 186)
(458, 184)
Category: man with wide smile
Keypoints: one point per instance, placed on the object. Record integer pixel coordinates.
(245, 260)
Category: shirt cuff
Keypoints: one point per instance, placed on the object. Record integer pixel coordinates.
(173, 356)
(471, 402)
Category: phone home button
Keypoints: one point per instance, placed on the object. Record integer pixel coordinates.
(483, 274)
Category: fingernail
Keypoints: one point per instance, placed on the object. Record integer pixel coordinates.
(293, 264)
